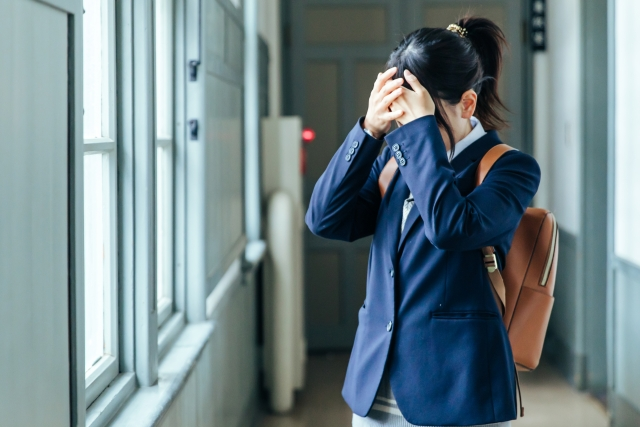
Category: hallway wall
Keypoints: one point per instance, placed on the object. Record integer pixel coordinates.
(36, 262)
(571, 122)
(222, 387)
(42, 276)
(558, 137)
(624, 210)
(270, 29)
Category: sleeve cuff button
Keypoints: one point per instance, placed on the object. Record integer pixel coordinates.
(402, 161)
(395, 147)
(347, 157)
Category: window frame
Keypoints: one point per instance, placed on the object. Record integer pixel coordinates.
(106, 369)
(166, 305)
(165, 151)
(176, 321)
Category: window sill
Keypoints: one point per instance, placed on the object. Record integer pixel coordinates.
(237, 272)
(101, 375)
(111, 399)
(253, 255)
(149, 404)
(169, 332)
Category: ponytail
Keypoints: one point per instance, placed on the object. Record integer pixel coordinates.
(489, 41)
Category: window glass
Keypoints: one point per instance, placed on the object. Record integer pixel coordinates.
(164, 226)
(92, 68)
(164, 68)
(94, 259)
(100, 258)
(164, 158)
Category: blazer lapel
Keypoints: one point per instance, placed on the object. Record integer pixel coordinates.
(413, 216)
(468, 157)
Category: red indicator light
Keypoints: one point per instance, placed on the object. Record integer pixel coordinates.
(308, 135)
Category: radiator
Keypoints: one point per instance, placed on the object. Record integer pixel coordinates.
(284, 332)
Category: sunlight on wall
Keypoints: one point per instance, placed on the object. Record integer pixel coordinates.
(557, 116)
(627, 150)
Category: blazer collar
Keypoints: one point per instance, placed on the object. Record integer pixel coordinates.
(475, 151)
(462, 161)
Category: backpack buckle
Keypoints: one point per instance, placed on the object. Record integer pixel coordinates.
(490, 262)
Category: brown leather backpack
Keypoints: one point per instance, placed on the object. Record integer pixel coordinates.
(524, 291)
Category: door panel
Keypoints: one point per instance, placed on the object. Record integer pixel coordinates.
(440, 16)
(365, 73)
(346, 24)
(322, 104)
(324, 287)
(336, 50)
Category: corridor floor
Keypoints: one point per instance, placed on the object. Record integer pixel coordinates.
(549, 401)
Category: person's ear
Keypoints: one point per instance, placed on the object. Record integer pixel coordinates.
(468, 103)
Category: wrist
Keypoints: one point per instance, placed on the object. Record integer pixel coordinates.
(371, 130)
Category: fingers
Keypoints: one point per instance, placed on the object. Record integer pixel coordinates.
(383, 77)
(401, 101)
(388, 94)
(392, 115)
(387, 100)
(413, 81)
(389, 86)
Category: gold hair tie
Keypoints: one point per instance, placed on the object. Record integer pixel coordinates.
(458, 29)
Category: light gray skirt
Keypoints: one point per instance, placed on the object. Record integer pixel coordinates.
(383, 419)
(385, 411)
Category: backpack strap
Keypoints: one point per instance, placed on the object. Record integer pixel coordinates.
(490, 261)
(386, 175)
(488, 160)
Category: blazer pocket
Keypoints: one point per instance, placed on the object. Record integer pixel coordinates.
(449, 362)
(462, 315)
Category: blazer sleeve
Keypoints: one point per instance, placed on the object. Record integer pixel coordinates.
(345, 200)
(452, 221)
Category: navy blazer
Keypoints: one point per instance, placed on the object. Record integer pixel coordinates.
(429, 311)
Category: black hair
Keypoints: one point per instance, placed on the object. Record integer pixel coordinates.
(448, 64)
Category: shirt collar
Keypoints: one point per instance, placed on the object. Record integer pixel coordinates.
(476, 133)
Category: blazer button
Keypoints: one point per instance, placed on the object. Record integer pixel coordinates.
(389, 326)
(347, 157)
(398, 155)
(395, 147)
(402, 161)
(391, 273)
(355, 144)
(352, 150)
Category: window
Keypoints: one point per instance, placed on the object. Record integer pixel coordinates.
(100, 228)
(627, 151)
(164, 158)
